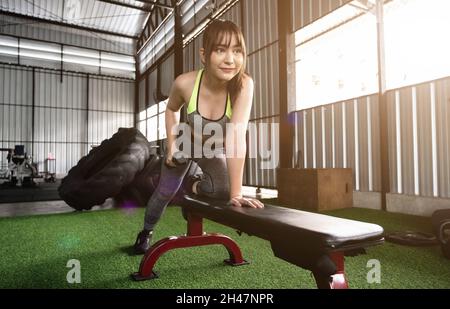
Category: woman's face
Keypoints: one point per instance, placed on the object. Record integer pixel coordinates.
(226, 61)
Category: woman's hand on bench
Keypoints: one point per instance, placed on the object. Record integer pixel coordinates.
(240, 201)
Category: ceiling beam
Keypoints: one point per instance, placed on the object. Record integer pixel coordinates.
(156, 3)
(58, 23)
(130, 6)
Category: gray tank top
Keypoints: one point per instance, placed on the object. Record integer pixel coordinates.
(207, 133)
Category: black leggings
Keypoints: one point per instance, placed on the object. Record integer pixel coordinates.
(214, 183)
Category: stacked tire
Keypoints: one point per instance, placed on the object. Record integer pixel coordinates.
(106, 170)
(441, 226)
(138, 192)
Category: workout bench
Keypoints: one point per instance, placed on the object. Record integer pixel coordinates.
(312, 241)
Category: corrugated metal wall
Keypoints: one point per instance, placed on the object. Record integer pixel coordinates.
(15, 109)
(305, 12)
(192, 56)
(341, 135)
(21, 27)
(111, 106)
(69, 116)
(261, 32)
(419, 139)
(346, 134)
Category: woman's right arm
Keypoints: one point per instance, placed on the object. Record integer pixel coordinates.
(172, 116)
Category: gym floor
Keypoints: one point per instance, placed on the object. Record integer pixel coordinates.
(37, 248)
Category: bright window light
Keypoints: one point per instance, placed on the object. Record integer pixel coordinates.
(81, 60)
(40, 55)
(142, 115)
(417, 49)
(80, 52)
(162, 126)
(152, 129)
(142, 127)
(337, 64)
(8, 41)
(7, 50)
(34, 51)
(40, 46)
(117, 58)
(117, 65)
(152, 110)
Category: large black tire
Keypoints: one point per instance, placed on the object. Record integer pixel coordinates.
(144, 184)
(410, 238)
(441, 227)
(105, 170)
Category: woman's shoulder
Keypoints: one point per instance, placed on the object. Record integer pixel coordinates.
(247, 81)
(186, 80)
(246, 78)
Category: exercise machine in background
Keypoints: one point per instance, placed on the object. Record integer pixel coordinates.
(20, 170)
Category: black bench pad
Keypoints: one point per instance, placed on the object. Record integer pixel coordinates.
(302, 229)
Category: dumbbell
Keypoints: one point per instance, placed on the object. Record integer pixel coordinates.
(179, 158)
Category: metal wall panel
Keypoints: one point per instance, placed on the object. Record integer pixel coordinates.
(263, 152)
(340, 135)
(60, 113)
(263, 67)
(406, 141)
(111, 95)
(60, 119)
(152, 84)
(392, 145)
(414, 169)
(234, 15)
(425, 140)
(111, 106)
(16, 123)
(260, 30)
(443, 136)
(141, 96)
(418, 139)
(260, 23)
(21, 27)
(103, 125)
(87, 13)
(188, 57)
(167, 75)
(15, 109)
(50, 92)
(15, 85)
(305, 12)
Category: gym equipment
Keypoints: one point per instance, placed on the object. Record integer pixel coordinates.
(312, 241)
(50, 169)
(20, 170)
(410, 238)
(105, 170)
(144, 184)
(441, 227)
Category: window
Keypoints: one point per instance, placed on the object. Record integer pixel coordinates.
(336, 57)
(152, 122)
(417, 49)
(49, 55)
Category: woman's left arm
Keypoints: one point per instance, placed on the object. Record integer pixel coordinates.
(237, 147)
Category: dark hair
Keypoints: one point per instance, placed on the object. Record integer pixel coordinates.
(216, 31)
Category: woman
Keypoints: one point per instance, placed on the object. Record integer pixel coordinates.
(219, 96)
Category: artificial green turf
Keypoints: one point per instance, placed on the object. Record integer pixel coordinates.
(36, 249)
